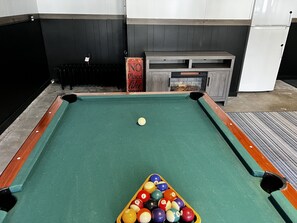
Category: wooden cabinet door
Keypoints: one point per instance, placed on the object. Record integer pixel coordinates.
(157, 81)
(217, 84)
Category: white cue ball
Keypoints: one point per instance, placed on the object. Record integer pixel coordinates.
(141, 121)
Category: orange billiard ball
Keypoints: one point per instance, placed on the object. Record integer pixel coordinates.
(169, 194)
(144, 215)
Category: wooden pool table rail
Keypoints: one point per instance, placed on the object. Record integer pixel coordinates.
(18, 160)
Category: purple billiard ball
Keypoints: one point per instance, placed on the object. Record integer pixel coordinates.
(177, 204)
(158, 215)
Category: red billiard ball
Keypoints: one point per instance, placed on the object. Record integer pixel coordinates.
(187, 214)
(144, 215)
(170, 194)
(164, 204)
(143, 195)
(136, 205)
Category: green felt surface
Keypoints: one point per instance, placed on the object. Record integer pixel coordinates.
(98, 156)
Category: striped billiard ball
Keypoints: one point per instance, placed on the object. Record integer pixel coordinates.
(172, 215)
(144, 215)
(162, 186)
(177, 204)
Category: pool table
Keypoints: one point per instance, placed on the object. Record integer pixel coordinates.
(88, 156)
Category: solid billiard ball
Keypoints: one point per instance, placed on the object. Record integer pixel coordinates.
(177, 203)
(164, 204)
(144, 215)
(187, 214)
(169, 194)
(141, 121)
(149, 186)
(162, 186)
(158, 215)
(155, 178)
(151, 204)
(143, 195)
(137, 204)
(129, 216)
(157, 195)
(172, 215)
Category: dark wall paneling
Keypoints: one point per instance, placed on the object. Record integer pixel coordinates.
(289, 60)
(24, 69)
(69, 41)
(190, 38)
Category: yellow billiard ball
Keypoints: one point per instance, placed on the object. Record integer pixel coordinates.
(141, 121)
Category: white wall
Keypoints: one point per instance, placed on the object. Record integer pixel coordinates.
(190, 9)
(17, 7)
(229, 9)
(166, 9)
(105, 7)
(295, 10)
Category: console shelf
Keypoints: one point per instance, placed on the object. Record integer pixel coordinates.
(215, 67)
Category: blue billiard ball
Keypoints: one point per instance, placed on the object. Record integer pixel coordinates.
(162, 186)
(155, 178)
(158, 215)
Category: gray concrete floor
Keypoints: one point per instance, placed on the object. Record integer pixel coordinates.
(283, 98)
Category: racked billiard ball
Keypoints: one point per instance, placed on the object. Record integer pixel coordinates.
(157, 195)
(155, 178)
(169, 194)
(149, 187)
(172, 215)
(158, 215)
(144, 215)
(177, 203)
(162, 186)
(137, 204)
(187, 214)
(129, 216)
(143, 195)
(151, 204)
(164, 204)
